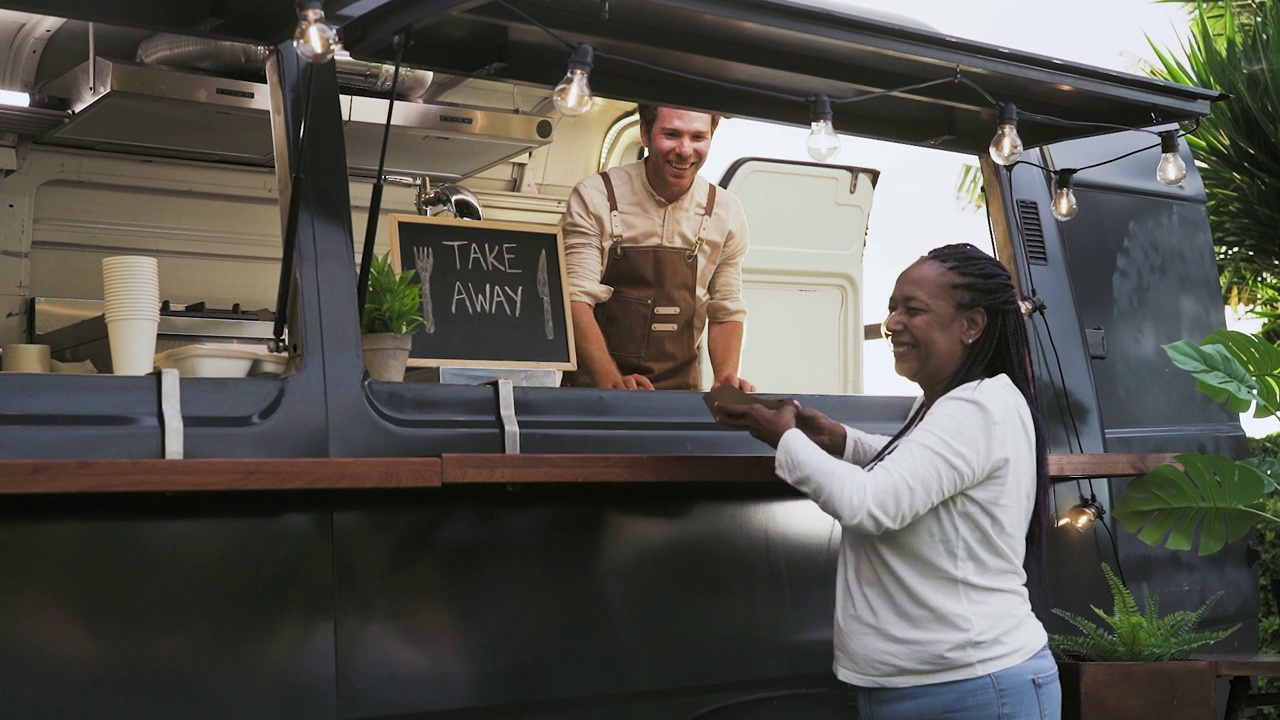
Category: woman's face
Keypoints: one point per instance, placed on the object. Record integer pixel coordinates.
(929, 334)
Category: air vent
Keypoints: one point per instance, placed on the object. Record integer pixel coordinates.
(1032, 232)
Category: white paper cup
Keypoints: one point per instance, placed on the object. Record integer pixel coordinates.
(26, 358)
(133, 344)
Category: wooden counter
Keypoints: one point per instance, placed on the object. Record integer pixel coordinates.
(114, 476)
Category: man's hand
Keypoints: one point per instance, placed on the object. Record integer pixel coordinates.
(628, 382)
(763, 424)
(731, 378)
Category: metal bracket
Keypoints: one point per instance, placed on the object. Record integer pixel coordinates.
(1097, 341)
(507, 411)
(171, 414)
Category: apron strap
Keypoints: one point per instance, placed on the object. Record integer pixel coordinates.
(706, 223)
(614, 218)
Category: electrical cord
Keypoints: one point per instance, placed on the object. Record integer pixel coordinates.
(399, 40)
(957, 77)
(291, 219)
(1115, 550)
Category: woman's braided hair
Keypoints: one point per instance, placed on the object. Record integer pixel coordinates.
(981, 281)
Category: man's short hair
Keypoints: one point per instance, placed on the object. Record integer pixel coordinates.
(649, 115)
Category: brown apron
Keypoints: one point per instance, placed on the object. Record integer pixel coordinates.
(648, 322)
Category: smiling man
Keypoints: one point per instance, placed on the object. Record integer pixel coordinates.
(654, 254)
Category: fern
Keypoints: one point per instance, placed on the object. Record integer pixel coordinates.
(1134, 635)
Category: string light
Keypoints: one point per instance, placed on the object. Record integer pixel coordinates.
(315, 39)
(1006, 146)
(1064, 205)
(573, 95)
(1171, 170)
(1083, 514)
(822, 143)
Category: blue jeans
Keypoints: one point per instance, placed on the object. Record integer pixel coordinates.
(1026, 691)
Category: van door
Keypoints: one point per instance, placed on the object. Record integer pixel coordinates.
(802, 278)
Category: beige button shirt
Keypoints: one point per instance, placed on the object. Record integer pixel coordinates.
(647, 219)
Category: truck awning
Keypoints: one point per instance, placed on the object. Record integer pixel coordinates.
(744, 58)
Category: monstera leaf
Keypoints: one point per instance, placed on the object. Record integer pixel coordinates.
(1233, 367)
(1269, 467)
(1218, 374)
(1260, 359)
(1213, 497)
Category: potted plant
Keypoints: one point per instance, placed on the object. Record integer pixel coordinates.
(392, 311)
(1122, 669)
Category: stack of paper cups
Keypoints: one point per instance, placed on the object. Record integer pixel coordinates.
(131, 299)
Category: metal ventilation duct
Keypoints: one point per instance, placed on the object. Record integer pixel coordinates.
(168, 113)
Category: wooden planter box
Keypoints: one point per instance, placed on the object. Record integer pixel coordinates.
(1178, 690)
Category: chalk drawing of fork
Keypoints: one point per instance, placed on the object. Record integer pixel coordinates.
(422, 257)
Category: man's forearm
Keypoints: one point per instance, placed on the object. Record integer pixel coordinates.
(593, 353)
(724, 347)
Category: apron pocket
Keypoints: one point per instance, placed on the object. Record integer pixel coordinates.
(624, 321)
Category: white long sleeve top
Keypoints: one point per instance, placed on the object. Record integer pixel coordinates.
(930, 586)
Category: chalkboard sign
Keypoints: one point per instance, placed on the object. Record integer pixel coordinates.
(494, 293)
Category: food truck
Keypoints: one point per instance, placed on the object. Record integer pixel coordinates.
(305, 541)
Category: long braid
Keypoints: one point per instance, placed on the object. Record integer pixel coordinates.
(981, 281)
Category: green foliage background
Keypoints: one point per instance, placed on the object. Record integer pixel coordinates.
(1268, 539)
(1234, 47)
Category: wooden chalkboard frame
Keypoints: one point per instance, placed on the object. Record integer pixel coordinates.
(514, 229)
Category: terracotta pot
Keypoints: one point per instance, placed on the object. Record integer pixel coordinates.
(1174, 690)
(386, 354)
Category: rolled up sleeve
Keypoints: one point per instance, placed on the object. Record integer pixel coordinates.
(582, 227)
(724, 301)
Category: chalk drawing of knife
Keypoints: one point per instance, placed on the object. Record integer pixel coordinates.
(423, 258)
(545, 294)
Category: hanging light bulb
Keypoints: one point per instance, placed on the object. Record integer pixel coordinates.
(573, 95)
(822, 143)
(1083, 515)
(1064, 205)
(315, 39)
(1006, 146)
(1171, 170)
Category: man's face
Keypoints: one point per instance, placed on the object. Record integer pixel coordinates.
(677, 143)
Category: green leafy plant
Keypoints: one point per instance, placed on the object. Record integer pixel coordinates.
(393, 303)
(1268, 540)
(1133, 635)
(1210, 500)
(1233, 46)
(969, 190)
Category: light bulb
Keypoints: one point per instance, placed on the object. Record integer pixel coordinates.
(1064, 205)
(315, 39)
(573, 95)
(822, 143)
(1006, 146)
(1083, 515)
(1172, 170)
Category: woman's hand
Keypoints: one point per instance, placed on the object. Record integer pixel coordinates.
(822, 430)
(763, 424)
